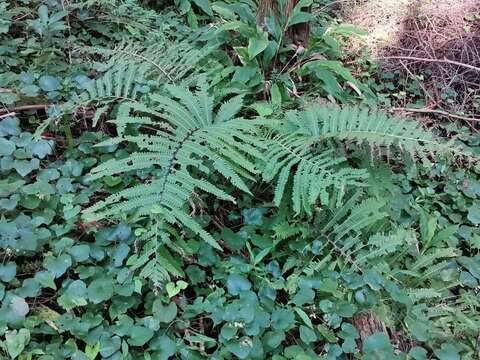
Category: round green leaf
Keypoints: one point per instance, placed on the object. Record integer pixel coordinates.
(474, 214)
(164, 347)
(19, 306)
(237, 283)
(448, 352)
(48, 83)
(240, 348)
(282, 319)
(8, 271)
(40, 148)
(304, 296)
(58, 265)
(165, 313)
(228, 331)
(109, 345)
(100, 290)
(10, 126)
(80, 253)
(30, 90)
(378, 347)
(16, 341)
(273, 339)
(74, 295)
(418, 353)
(140, 335)
(7, 147)
(307, 335)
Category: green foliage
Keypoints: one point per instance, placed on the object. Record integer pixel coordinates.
(276, 64)
(190, 136)
(191, 141)
(158, 219)
(317, 168)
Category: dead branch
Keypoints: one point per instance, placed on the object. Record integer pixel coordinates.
(439, 112)
(445, 61)
(24, 108)
(7, 115)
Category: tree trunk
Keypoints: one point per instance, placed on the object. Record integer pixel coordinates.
(367, 324)
(298, 34)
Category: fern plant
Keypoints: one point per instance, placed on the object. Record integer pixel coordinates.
(130, 67)
(186, 140)
(165, 61)
(130, 70)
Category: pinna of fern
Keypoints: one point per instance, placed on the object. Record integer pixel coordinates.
(190, 142)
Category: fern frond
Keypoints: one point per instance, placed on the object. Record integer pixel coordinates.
(163, 61)
(346, 225)
(428, 260)
(131, 69)
(373, 127)
(229, 109)
(299, 152)
(361, 216)
(423, 294)
(316, 265)
(121, 82)
(188, 144)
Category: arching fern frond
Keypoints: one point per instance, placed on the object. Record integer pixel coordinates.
(346, 225)
(352, 218)
(167, 62)
(131, 69)
(121, 82)
(314, 173)
(372, 127)
(163, 62)
(190, 142)
(299, 153)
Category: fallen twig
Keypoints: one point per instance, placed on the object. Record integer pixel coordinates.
(7, 115)
(445, 61)
(439, 112)
(24, 107)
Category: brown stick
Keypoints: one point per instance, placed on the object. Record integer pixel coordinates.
(445, 61)
(24, 107)
(439, 112)
(7, 115)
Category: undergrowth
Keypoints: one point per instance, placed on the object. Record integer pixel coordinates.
(183, 181)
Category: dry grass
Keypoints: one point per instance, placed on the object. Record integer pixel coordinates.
(381, 19)
(431, 30)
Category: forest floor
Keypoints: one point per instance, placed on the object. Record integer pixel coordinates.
(177, 182)
(435, 44)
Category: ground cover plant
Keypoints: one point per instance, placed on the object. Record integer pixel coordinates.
(200, 179)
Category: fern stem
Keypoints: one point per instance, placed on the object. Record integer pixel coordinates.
(172, 162)
(149, 61)
(68, 134)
